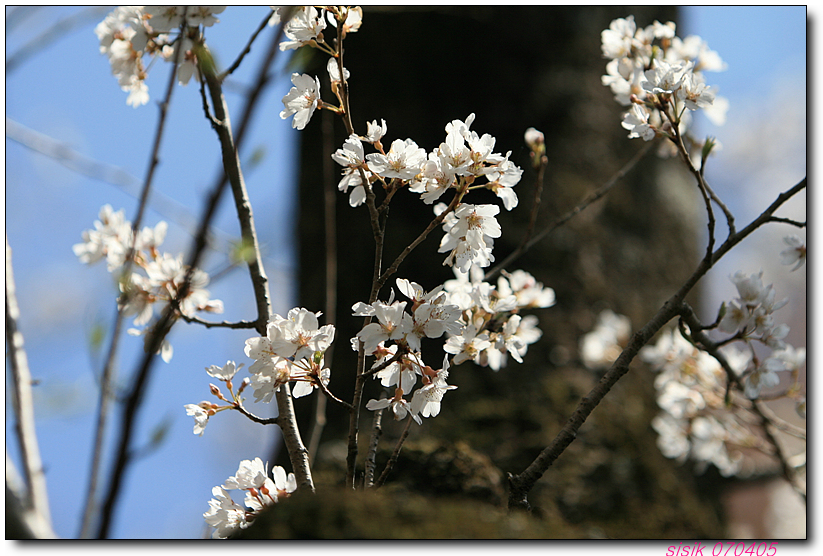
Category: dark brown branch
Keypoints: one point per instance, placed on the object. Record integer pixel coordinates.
(795, 223)
(331, 396)
(107, 377)
(587, 200)
(520, 485)
(255, 418)
(207, 324)
(239, 60)
(395, 454)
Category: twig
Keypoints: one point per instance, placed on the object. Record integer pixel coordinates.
(240, 324)
(239, 60)
(788, 221)
(36, 504)
(788, 471)
(395, 454)
(332, 397)
(538, 190)
(581, 206)
(263, 421)
(521, 484)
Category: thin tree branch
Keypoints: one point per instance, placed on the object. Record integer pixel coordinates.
(240, 324)
(36, 503)
(538, 190)
(520, 485)
(788, 470)
(239, 60)
(795, 223)
(255, 418)
(298, 454)
(581, 206)
(62, 153)
(395, 454)
(331, 396)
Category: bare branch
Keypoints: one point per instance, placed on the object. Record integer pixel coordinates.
(36, 504)
(520, 485)
(240, 324)
(587, 200)
(395, 454)
(236, 64)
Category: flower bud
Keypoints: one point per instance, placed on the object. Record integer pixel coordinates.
(534, 139)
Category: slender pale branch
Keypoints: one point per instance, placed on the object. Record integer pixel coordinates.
(298, 453)
(36, 505)
(788, 471)
(371, 457)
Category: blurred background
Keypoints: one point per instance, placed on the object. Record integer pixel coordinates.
(74, 145)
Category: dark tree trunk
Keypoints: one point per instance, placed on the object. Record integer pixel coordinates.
(517, 67)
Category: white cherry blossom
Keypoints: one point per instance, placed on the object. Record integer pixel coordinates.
(302, 99)
(403, 160)
(795, 254)
(304, 26)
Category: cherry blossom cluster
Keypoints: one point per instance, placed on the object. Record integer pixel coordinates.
(306, 23)
(693, 422)
(660, 77)
(701, 417)
(205, 409)
(482, 323)
(162, 274)
(130, 33)
(462, 158)
(291, 351)
(261, 490)
(456, 164)
(749, 318)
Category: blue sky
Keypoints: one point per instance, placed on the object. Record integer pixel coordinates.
(68, 93)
